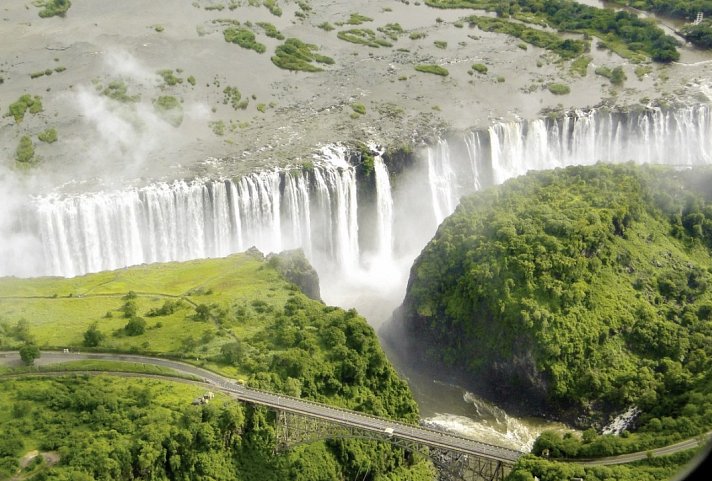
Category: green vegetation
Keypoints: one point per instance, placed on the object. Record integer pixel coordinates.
(28, 353)
(294, 54)
(326, 26)
(700, 34)
(270, 30)
(616, 75)
(46, 72)
(26, 103)
(363, 36)
(359, 108)
(218, 127)
(566, 48)
(392, 30)
(417, 35)
(233, 97)
(169, 109)
(676, 8)
(479, 68)
(48, 136)
(580, 65)
(434, 69)
(657, 468)
(118, 90)
(586, 289)
(440, 44)
(358, 19)
(97, 365)
(558, 88)
(25, 151)
(241, 317)
(170, 78)
(273, 8)
(52, 8)
(243, 37)
(642, 70)
(621, 31)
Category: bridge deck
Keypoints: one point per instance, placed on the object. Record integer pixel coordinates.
(345, 417)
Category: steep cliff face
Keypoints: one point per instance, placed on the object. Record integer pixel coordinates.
(581, 288)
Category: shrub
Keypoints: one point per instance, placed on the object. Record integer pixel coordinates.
(273, 8)
(117, 90)
(359, 108)
(244, 38)
(169, 77)
(25, 151)
(92, 336)
(434, 69)
(270, 30)
(479, 68)
(363, 36)
(558, 89)
(440, 44)
(169, 109)
(25, 103)
(294, 54)
(49, 136)
(51, 8)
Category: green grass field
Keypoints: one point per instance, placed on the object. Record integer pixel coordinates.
(59, 311)
(97, 365)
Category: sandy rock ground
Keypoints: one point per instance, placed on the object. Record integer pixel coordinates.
(104, 142)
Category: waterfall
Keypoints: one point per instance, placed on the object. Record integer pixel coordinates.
(677, 137)
(384, 209)
(189, 220)
(442, 180)
(317, 208)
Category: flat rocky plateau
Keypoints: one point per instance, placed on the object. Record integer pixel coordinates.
(103, 41)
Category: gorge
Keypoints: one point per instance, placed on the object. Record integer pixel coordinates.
(173, 135)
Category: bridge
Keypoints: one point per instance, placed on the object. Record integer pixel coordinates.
(300, 421)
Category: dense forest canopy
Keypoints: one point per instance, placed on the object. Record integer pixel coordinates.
(585, 288)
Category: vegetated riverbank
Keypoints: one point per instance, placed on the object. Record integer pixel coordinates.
(578, 292)
(238, 316)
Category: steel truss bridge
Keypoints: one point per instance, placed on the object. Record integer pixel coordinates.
(299, 421)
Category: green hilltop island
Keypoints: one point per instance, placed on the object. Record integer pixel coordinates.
(580, 293)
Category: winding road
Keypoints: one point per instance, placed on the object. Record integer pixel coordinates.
(345, 417)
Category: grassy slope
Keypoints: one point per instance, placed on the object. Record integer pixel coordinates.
(61, 321)
(287, 342)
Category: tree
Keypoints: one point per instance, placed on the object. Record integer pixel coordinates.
(135, 327)
(92, 336)
(202, 313)
(232, 352)
(28, 353)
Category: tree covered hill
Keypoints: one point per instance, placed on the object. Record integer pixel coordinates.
(583, 290)
(236, 315)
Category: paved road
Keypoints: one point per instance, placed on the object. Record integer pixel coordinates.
(345, 417)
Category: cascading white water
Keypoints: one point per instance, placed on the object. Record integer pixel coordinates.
(317, 209)
(679, 137)
(442, 180)
(384, 210)
(191, 220)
